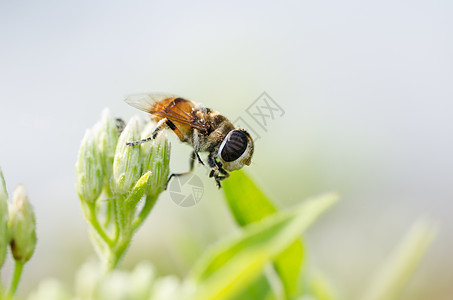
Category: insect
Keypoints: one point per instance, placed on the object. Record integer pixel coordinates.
(206, 130)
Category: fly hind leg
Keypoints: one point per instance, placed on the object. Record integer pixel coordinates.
(196, 144)
(191, 165)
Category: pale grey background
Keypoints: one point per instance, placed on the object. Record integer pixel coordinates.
(368, 97)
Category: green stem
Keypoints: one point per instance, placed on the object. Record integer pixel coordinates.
(122, 238)
(111, 262)
(96, 226)
(149, 204)
(108, 213)
(116, 253)
(18, 267)
(124, 233)
(109, 206)
(115, 209)
(124, 228)
(120, 214)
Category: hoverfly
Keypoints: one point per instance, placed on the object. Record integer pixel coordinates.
(206, 130)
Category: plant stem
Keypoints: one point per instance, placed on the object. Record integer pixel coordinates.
(114, 212)
(149, 204)
(95, 223)
(116, 253)
(109, 204)
(18, 267)
(122, 238)
(124, 231)
(120, 214)
(108, 214)
(111, 261)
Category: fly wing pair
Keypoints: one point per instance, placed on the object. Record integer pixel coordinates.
(172, 107)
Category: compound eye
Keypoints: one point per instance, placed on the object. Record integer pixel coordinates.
(235, 146)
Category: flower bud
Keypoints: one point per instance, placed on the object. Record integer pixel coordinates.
(4, 232)
(127, 161)
(156, 158)
(22, 226)
(89, 171)
(107, 137)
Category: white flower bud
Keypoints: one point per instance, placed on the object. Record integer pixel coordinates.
(4, 232)
(107, 137)
(22, 226)
(127, 161)
(156, 158)
(89, 171)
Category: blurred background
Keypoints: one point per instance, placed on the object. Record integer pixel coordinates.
(366, 90)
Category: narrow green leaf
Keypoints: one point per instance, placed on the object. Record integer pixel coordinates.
(248, 204)
(398, 268)
(260, 288)
(137, 192)
(288, 266)
(319, 288)
(231, 267)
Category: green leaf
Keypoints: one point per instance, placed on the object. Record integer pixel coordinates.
(230, 268)
(260, 288)
(319, 288)
(137, 192)
(288, 266)
(248, 204)
(399, 267)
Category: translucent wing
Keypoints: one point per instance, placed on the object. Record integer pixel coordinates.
(172, 107)
(146, 102)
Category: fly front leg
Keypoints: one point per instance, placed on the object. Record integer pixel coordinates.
(212, 161)
(219, 178)
(217, 171)
(160, 125)
(224, 175)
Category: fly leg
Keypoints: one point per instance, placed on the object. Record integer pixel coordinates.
(219, 177)
(199, 159)
(196, 145)
(217, 171)
(191, 165)
(160, 125)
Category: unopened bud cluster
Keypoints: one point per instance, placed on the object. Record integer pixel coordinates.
(113, 174)
(17, 224)
(4, 232)
(17, 230)
(106, 163)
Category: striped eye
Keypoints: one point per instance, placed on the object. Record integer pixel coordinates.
(235, 146)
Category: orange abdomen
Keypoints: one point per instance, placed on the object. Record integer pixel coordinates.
(178, 111)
